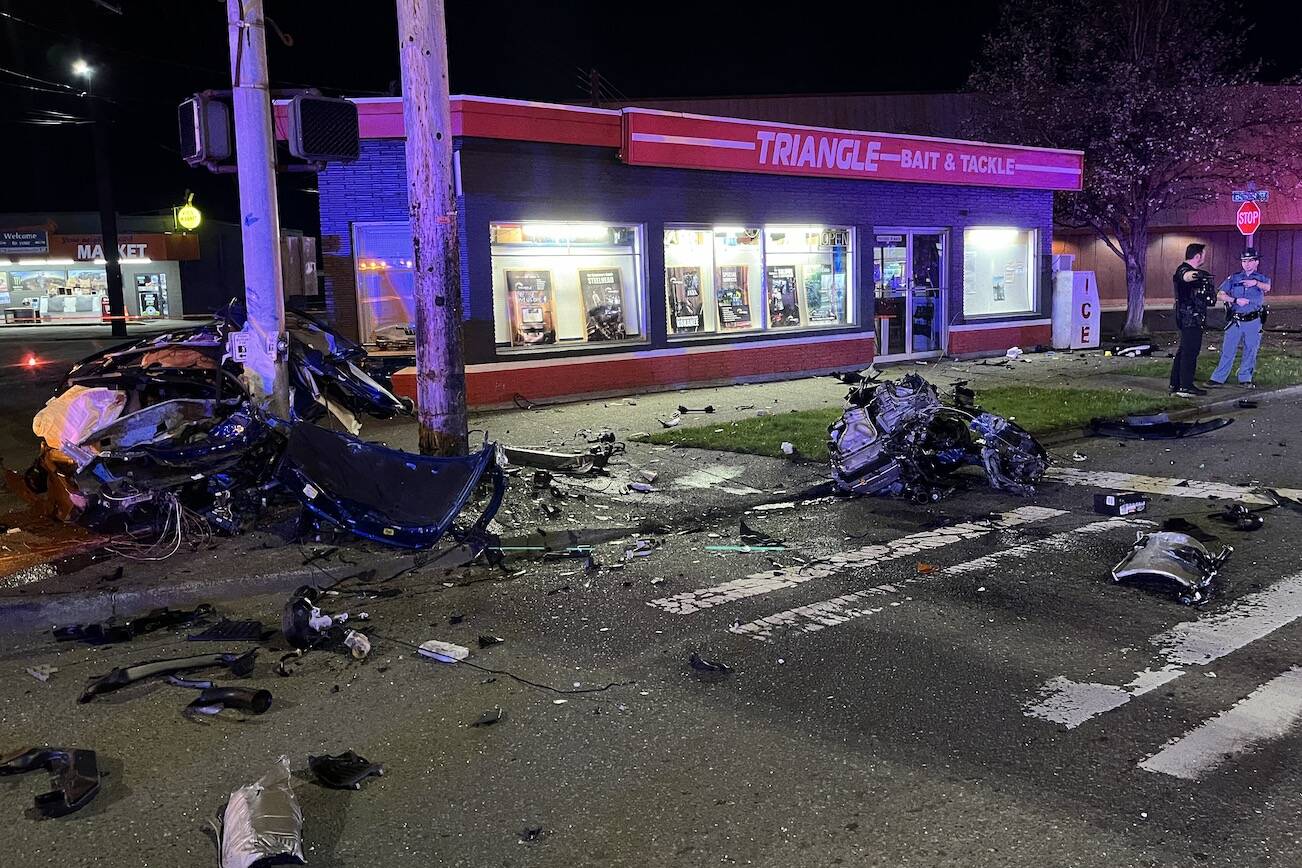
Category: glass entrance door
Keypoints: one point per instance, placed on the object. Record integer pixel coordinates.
(909, 280)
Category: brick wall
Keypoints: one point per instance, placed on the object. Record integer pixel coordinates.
(509, 181)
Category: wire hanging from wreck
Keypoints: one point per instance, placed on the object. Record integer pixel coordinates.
(180, 525)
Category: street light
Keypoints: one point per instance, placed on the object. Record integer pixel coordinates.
(82, 69)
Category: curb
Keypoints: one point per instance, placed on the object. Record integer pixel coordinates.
(28, 615)
(1071, 435)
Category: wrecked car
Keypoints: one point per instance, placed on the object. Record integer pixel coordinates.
(898, 438)
(157, 440)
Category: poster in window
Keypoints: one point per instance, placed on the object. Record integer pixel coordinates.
(532, 304)
(685, 299)
(88, 281)
(40, 282)
(4, 287)
(603, 297)
(784, 296)
(824, 294)
(733, 297)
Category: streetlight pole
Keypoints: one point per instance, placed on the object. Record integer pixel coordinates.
(108, 215)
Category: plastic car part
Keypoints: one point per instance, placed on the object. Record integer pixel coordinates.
(1172, 557)
(239, 665)
(214, 699)
(383, 494)
(344, 771)
(74, 773)
(1157, 426)
(262, 823)
(1239, 517)
(301, 622)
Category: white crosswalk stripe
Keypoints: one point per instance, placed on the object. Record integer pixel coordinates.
(839, 610)
(1171, 486)
(908, 546)
(1190, 643)
(1267, 713)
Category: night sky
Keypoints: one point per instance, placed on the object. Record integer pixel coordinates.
(157, 52)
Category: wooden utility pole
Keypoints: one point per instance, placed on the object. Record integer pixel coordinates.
(265, 374)
(431, 197)
(108, 223)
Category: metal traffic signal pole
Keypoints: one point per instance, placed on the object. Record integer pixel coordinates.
(431, 195)
(264, 365)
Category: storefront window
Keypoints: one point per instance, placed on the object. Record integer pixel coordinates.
(566, 283)
(999, 274)
(385, 279)
(727, 279)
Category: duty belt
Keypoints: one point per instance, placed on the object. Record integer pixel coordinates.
(1245, 317)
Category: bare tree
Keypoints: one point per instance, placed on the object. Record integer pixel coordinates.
(1162, 96)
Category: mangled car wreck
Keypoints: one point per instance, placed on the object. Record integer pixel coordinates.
(898, 438)
(158, 439)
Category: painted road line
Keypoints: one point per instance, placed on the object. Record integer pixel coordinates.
(1266, 713)
(909, 546)
(1172, 487)
(1190, 643)
(839, 610)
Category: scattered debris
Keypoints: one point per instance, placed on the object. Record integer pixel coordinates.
(925, 568)
(648, 475)
(119, 629)
(1168, 556)
(443, 652)
(486, 641)
(531, 834)
(641, 487)
(345, 771)
(488, 718)
(1157, 426)
(700, 664)
(683, 411)
(1247, 404)
(262, 823)
(240, 665)
(753, 537)
(1079, 456)
(565, 462)
(74, 774)
(671, 422)
(850, 378)
(788, 448)
(358, 644)
(1239, 517)
(898, 438)
(301, 622)
(230, 631)
(44, 672)
(640, 549)
(1014, 353)
(1120, 503)
(1133, 352)
(213, 699)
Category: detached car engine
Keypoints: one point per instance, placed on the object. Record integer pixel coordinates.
(898, 438)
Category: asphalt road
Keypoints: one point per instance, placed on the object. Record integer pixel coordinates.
(954, 691)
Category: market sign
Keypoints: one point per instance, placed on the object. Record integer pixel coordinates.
(655, 138)
(1249, 218)
(22, 241)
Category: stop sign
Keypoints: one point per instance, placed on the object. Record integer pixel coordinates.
(1249, 218)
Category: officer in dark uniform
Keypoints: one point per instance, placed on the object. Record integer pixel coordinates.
(1244, 295)
(1194, 291)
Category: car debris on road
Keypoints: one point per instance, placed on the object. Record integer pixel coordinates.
(1173, 557)
(262, 823)
(74, 774)
(899, 438)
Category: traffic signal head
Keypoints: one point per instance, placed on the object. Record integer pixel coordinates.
(323, 129)
(205, 127)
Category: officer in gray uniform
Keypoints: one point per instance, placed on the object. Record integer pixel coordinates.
(1244, 295)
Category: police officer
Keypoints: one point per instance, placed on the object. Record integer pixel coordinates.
(1244, 294)
(1194, 293)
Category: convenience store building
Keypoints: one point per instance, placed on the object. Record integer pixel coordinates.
(607, 251)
